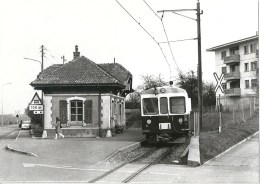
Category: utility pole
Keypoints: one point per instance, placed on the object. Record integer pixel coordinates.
(199, 65)
(199, 12)
(42, 51)
(63, 59)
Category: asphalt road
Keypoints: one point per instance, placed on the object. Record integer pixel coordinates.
(240, 165)
(72, 159)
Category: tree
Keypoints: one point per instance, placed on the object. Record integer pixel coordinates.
(148, 81)
(35, 118)
(189, 82)
(133, 101)
(209, 95)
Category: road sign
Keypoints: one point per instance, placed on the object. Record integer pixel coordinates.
(37, 112)
(36, 100)
(219, 80)
(36, 107)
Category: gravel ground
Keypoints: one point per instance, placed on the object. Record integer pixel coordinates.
(173, 158)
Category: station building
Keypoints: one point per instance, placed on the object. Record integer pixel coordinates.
(239, 62)
(88, 98)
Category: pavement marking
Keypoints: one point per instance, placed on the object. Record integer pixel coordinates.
(62, 167)
(28, 165)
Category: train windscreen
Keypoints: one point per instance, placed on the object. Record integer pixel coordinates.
(163, 105)
(150, 106)
(177, 105)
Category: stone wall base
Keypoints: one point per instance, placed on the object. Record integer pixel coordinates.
(72, 132)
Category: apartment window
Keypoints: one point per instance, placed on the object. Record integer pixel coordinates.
(234, 50)
(247, 83)
(253, 65)
(232, 68)
(224, 70)
(223, 54)
(253, 48)
(246, 49)
(224, 86)
(253, 83)
(246, 67)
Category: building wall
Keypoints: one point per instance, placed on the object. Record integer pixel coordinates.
(111, 108)
(244, 58)
(105, 111)
(47, 101)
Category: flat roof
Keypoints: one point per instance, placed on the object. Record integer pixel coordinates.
(232, 43)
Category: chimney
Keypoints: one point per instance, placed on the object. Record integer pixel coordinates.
(76, 54)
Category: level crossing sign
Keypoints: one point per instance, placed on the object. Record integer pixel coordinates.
(219, 80)
(36, 104)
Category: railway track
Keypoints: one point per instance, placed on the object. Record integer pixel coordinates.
(150, 157)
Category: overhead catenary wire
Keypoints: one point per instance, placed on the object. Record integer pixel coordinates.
(52, 55)
(148, 34)
(160, 18)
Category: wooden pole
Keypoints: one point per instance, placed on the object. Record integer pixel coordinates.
(220, 123)
(233, 114)
(243, 115)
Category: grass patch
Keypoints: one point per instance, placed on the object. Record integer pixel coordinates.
(213, 143)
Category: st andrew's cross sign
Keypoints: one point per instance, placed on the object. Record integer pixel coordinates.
(219, 80)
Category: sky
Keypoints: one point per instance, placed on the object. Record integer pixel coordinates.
(103, 31)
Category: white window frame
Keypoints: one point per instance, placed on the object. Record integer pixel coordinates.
(68, 107)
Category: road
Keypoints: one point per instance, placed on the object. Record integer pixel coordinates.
(81, 163)
(239, 165)
(71, 159)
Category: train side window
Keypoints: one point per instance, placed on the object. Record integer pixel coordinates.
(150, 106)
(177, 105)
(163, 105)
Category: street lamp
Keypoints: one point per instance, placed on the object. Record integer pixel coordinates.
(3, 101)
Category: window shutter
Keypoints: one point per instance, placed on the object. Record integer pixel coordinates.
(88, 111)
(63, 111)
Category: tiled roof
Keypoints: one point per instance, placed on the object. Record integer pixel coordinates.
(117, 71)
(80, 71)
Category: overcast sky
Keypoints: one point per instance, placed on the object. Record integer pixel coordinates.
(103, 30)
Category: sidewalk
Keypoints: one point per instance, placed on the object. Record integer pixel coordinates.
(239, 165)
(71, 150)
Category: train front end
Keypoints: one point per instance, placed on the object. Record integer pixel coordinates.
(165, 113)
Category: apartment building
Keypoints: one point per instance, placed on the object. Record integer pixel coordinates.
(239, 62)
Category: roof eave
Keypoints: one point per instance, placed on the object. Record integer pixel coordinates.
(77, 85)
(232, 43)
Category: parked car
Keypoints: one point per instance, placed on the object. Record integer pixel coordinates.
(26, 125)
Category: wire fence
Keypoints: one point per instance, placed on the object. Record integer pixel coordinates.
(232, 114)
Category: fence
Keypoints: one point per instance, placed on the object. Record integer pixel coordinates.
(239, 113)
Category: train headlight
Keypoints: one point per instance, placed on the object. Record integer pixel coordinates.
(180, 120)
(148, 121)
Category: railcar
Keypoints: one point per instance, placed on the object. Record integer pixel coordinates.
(165, 113)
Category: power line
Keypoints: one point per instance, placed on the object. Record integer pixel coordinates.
(52, 55)
(160, 18)
(148, 34)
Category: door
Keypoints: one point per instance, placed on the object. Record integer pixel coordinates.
(76, 112)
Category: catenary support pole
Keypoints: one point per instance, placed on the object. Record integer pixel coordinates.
(199, 65)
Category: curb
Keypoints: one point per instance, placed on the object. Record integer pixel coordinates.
(247, 138)
(8, 147)
(194, 152)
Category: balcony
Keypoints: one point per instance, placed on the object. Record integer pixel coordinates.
(232, 59)
(232, 92)
(232, 76)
